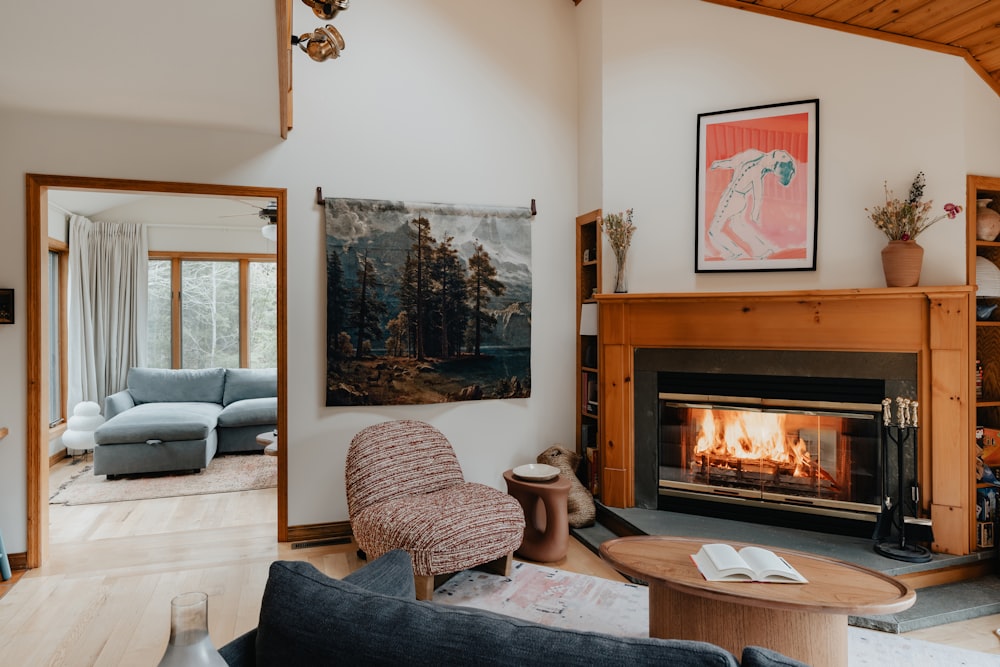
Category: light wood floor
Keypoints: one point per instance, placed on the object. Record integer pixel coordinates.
(104, 596)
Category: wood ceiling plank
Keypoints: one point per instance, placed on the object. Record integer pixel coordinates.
(985, 15)
(983, 40)
(932, 13)
(989, 59)
(880, 14)
(808, 7)
(844, 11)
(770, 4)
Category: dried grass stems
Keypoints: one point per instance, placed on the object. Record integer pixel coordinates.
(904, 220)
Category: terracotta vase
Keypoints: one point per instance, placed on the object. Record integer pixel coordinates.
(901, 262)
(987, 221)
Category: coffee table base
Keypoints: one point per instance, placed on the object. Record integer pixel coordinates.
(816, 639)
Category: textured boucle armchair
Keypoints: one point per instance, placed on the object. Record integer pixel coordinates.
(406, 490)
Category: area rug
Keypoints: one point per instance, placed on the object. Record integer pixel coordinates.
(569, 600)
(224, 474)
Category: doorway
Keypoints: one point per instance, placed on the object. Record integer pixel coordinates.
(37, 191)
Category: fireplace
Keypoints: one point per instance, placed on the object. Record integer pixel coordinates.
(914, 340)
(762, 433)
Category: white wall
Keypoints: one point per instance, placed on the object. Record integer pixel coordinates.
(886, 112)
(433, 100)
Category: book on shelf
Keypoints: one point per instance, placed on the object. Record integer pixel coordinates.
(722, 562)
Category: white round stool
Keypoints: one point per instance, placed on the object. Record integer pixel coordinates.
(79, 434)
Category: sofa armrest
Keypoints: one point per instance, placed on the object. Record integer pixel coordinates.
(117, 403)
(390, 574)
(242, 651)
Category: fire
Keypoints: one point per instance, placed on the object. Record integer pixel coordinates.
(751, 436)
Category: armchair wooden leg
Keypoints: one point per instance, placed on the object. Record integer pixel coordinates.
(424, 584)
(499, 566)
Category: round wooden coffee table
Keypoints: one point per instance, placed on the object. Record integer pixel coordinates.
(807, 622)
(270, 441)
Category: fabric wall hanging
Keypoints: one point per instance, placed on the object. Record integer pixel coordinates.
(426, 303)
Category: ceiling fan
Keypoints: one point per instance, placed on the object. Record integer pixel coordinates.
(268, 213)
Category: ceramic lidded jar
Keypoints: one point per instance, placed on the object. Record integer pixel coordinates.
(987, 220)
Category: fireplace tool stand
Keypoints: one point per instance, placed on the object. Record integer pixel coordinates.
(891, 527)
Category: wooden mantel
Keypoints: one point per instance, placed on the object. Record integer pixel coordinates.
(933, 322)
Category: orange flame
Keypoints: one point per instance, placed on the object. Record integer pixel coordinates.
(751, 436)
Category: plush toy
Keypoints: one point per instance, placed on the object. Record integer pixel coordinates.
(581, 503)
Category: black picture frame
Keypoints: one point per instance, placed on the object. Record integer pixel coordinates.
(6, 306)
(757, 178)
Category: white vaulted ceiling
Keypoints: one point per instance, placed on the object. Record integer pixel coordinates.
(187, 62)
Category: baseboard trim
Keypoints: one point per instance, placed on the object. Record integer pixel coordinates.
(320, 531)
(949, 575)
(18, 561)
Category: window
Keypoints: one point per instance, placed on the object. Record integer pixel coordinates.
(159, 297)
(57, 337)
(263, 315)
(207, 312)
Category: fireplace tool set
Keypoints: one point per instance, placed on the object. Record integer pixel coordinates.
(898, 526)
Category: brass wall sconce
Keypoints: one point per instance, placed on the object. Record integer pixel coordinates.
(327, 10)
(326, 42)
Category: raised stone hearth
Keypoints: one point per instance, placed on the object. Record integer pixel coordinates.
(932, 323)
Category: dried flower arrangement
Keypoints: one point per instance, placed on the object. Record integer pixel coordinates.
(618, 228)
(903, 220)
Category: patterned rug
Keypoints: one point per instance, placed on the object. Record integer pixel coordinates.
(566, 599)
(224, 474)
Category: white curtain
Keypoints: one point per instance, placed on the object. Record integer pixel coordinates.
(106, 321)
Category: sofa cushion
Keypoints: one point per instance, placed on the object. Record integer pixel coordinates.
(308, 618)
(159, 385)
(243, 383)
(159, 421)
(250, 411)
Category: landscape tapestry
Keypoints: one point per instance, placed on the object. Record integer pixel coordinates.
(426, 303)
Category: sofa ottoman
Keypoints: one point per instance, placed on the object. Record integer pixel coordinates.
(157, 437)
(165, 420)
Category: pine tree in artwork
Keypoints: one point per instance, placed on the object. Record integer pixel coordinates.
(482, 283)
(366, 307)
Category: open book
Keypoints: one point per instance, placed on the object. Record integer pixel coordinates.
(721, 562)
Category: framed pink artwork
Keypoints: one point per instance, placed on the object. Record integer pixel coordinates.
(757, 177)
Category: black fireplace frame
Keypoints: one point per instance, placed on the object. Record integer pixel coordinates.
(879, 374)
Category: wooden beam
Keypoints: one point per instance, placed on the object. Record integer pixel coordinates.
(283, 12)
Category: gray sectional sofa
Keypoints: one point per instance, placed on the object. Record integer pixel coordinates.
(178, 419)
(371, 618)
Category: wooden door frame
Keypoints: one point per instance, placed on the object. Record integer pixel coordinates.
(36, 235)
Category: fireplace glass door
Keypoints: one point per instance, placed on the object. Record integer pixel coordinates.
(794, 454)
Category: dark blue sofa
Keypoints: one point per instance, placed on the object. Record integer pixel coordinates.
(371, 618)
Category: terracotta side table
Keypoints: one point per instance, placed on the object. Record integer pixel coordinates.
(807, 622)
(546, 517)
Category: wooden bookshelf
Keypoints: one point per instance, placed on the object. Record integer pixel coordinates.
(588, 285)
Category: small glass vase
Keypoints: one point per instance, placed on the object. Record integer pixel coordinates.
(190, 645)
(621, 278)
